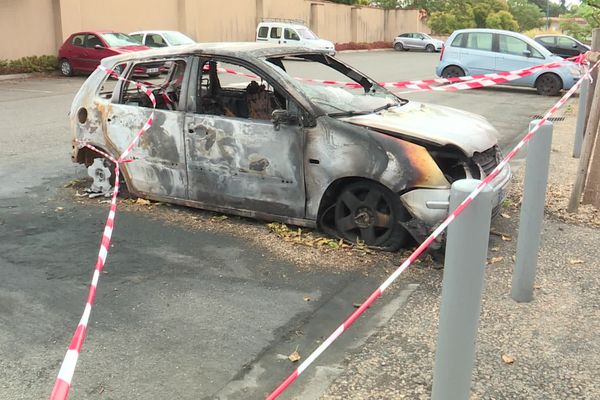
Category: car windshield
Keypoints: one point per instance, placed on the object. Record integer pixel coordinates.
(426, 36)
(177, 38)
(119, 40)
(306, 34)
(353, 94)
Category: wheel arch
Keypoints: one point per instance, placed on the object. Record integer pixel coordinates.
(454, 65)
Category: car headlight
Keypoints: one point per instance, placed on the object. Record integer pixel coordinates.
(575, 71)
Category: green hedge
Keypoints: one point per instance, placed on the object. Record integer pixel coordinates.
(29, 64)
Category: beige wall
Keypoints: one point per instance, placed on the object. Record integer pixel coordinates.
(26, 28)
(42, 25)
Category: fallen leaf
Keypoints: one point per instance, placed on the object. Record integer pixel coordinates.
(576, 261)
(494, 260)
(59, 209)
(142, 202)
(495, 248)
(294, 357)
(506, 238)
(307, 299)
(504, 215)
(507, 359)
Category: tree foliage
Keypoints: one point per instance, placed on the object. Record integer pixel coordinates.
(528, 15)
(589, 10)
(501, 20)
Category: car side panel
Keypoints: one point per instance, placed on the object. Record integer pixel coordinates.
(336, 149)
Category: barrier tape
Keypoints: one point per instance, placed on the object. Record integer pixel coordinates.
(60, 391)
(456, 83)
(451, 217)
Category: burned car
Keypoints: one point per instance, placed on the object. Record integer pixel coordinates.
(236, 131)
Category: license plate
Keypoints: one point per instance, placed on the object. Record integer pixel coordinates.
(152, 70)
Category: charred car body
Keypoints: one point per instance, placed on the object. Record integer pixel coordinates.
(361, 164)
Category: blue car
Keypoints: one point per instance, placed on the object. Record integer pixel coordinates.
(485, 51)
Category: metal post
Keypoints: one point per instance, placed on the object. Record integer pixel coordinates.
(532, 212)
(581, 111)
(466, 253)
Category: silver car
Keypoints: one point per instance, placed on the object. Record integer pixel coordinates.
(234, 131)
(417, 40)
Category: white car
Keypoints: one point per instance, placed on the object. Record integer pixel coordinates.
(161, 38)
(291, 33)
(417, 40)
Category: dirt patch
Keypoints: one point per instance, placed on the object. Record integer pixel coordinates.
(302, 246)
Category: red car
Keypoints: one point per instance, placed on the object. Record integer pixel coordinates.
(82, 52)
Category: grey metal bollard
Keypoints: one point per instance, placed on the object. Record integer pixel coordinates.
(580, 128)
(466, 254)
(532, 212)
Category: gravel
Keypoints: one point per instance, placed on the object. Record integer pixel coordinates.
(552, 341)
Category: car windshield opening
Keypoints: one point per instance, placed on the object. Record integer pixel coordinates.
(177, 38)
(306, 34)
(119, 40)
(334, 87)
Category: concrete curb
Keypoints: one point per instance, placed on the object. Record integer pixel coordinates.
(16, 76)
(364, 50)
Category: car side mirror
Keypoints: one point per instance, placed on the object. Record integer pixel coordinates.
(98, 47)
(283, 117)
(527, 53)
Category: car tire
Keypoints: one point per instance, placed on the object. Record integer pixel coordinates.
(368, 212)
(398, 46)
(548, 84)
(65, 67)
(453, 71)
(429, 48)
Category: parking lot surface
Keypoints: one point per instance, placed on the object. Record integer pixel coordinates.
(181, 313)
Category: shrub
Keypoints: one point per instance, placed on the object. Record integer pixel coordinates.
(362, 46)
(29, 64)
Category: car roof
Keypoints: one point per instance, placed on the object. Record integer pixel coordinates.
(95, 32)
(283, 24)
(234, 49)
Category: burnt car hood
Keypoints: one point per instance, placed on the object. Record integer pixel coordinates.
(435, 124)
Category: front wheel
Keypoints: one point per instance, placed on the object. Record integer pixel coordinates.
(368, 212)
(452, 72)
(548, 85)
(429, 48)
(398, 46)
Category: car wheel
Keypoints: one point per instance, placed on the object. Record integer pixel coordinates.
(398, 46)
(429, 48)
(368, 212)
(452, 72)
(65, 67)
(548, 85)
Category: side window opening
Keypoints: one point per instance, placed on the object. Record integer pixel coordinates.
(241, 95)
(166, 87)
(479, 41)
(457, 42)
(275, 32)
(263, 32)
(155, 40)
(78, 40)
(93, 41)
(290, 34)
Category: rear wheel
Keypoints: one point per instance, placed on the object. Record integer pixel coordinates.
(452, 72)
(369, 212)
(398, 46)
(65, 67)
(548, 85)
(429, 48)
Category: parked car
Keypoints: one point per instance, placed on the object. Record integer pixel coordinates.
(562, 45)
(291, 33)
(83, 51)
(484, 51)
(161, 38)
(417, 40)
(359, 164)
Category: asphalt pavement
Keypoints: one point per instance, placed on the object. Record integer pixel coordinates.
(180, 313)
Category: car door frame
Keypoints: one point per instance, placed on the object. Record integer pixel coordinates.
(503, 61)
(198, 124)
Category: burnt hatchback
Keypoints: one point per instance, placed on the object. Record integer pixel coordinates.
(237, 131)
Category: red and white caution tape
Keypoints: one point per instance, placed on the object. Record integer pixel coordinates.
(438, 231)
(67, 369)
